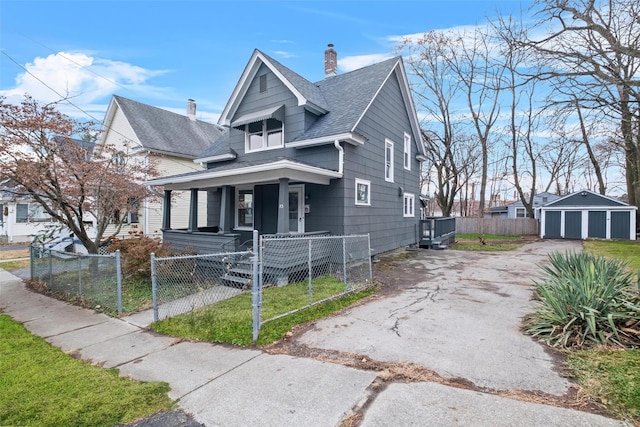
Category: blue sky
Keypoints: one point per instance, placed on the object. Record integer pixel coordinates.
(166, 51)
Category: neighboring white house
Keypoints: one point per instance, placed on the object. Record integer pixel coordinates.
(171, 141)
(21, 218)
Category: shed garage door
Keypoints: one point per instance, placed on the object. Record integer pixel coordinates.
(620, 225)
(598, 224)
(573, 225)
(552, 225)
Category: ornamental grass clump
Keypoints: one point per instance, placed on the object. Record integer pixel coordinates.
(586, 300)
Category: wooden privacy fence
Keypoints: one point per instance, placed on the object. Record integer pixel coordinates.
(501, 226)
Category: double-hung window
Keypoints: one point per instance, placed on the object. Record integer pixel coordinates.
(408, 209)
(388, 160)
(407, 151)
(263, 135)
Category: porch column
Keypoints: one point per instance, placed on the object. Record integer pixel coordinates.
(283, 206)
(166, 211)
(225, 212)
(193, 211)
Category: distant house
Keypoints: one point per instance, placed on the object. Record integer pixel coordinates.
(517, 209)
(170, 140)
(586, 214)
(20, 217)
(339, 156)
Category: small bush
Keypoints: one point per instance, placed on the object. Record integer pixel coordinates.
(586, 300)
(136, 254)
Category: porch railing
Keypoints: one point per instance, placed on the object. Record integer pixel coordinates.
(437, 232)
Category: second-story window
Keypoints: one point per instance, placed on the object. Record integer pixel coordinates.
(263, 135)
(388, 161)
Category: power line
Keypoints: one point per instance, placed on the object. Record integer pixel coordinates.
(69, 102)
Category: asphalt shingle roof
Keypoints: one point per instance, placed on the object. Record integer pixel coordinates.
(163, 131)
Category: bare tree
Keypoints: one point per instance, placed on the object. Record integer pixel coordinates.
(595, 45)
(475, 60)
(436, 89)
(72, 182)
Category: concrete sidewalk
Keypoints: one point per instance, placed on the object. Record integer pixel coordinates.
(222, 385)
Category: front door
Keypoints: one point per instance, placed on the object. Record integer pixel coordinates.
(296, 209)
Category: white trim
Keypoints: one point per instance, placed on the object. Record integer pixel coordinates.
(368, 184)
(218, 158)
(350, 137)
(411, 211)
(389, 169)
(300, 189)
(249, 73)
(268, 171)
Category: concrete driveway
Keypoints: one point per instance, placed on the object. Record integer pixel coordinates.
(451, 317)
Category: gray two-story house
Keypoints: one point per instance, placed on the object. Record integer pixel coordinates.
(341, 155)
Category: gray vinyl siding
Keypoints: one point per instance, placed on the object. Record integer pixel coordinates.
(213, 207)
(326, 207)
(589, 199)
(277, 94)
(384, 220)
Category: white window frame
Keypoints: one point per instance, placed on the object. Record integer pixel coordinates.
(265, 135)
(408, 205)
(237, 206)
(388, 160)
(407, 151)
(523, 211)
(358, 200)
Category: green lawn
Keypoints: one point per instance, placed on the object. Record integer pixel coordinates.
(612, 377)
(627, 251)
(493, 242)
(42, 386)
(230, 320)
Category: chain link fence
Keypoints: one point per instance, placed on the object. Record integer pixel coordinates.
(307, 270)
(181, 284)
(280, 275)
(95, 280)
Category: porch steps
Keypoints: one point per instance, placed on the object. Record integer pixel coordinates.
(239, 276)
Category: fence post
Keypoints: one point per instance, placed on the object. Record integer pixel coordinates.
(369, 249)
(256, 288)
(309, 264)
(154, 296)
(31, 259)
(50, 269)
(119, 280)
(344, 260)
(80, 275)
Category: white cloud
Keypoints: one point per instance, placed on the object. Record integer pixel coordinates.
(86, 80)
(285, 54)
(351, 63)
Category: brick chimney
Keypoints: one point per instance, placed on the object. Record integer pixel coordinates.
(330, 61)
(191, 109)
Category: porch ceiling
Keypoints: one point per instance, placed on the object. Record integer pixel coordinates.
(249, 174)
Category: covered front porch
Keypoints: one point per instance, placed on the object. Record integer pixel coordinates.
(272, 197)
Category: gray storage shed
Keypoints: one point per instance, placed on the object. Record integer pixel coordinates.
(586, 214)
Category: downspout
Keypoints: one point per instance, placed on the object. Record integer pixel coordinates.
(336, 144)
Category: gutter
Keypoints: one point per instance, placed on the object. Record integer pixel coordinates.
(336, 144)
